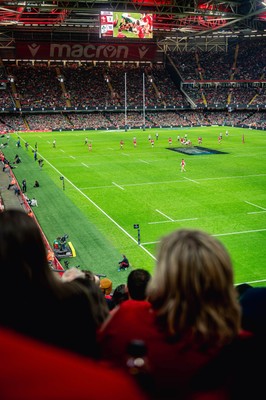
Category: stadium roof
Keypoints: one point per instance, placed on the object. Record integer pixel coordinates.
(174, 17)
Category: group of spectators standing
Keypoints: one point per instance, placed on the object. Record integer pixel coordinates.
(203, 339)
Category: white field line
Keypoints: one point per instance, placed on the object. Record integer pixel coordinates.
(120, 187)
(146, 162)
(256, 212)
(221, 234)
(166, 216)
(63, 151)
(74, 158)
(180, 180)
(256, 205)
(191, 180)
(172, 220)
(85, 165)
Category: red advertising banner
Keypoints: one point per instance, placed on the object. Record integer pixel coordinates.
(86, 51)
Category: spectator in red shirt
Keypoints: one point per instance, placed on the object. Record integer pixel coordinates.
(191, 314)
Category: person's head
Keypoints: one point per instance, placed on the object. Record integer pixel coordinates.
(23, 255)
(120, 294)
(192, 289)
(137, 281)
(72, 273)
(253, 305)
(38, 302)
(106, 286)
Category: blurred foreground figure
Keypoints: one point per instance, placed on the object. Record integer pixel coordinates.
(31, 370)
(35, 301)
(190, 323)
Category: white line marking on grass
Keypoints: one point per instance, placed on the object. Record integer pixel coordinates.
(48, 141)
(176, 181)
(63, 151)
(146, 162)
(191, 180)
(147, 243)
(240, 232)
(120, 187)
(72, 157)
(85, 165)
(256, 212)
(252, 282)
(231, 177)
(173, 220)
(124, 154)
(219, 234)
(100, 209)
(110, 148)
(255, 205)
(166, 216)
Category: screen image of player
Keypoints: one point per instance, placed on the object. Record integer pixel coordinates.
(126, 25)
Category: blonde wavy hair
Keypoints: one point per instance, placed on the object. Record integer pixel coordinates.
(192, 288)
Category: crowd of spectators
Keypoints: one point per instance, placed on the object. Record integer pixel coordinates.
(201, 340)
(201, 77)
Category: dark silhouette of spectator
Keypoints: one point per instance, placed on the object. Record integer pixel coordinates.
(120, 294)
(24, 186)
(137, 282)
(39, 304)
(30, 363)
(36, 184)
(253, 304)
(192, 314)
(100, 310)
(40, 161)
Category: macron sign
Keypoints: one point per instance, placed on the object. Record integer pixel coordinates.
(90, 51)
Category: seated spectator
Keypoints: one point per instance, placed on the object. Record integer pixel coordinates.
(100, 310)
(40, 161)
(124, 263)
(12, 183)
(38, 303)
(120, 294)
(43, 372)
(36, 184)
(137, 282)
(33, 202)
(106, 286)
(192, 314)
(17, 159)
(16, 190)
(253, 304)
(242, 288)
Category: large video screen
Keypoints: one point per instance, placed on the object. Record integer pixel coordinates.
(126, 25)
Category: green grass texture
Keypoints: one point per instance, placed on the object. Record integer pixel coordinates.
(108, 190)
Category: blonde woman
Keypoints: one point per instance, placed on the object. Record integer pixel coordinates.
(191, 316)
